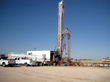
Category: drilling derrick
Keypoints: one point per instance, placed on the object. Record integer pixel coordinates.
(62, 32)
(60, 28)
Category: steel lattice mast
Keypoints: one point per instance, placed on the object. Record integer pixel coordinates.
(62, 32)
(60, 27)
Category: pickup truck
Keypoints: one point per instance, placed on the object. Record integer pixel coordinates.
(25, 61)
(7, 62)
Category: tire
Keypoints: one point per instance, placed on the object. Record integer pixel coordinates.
(4, 65)
(11, 65)
(26, 64)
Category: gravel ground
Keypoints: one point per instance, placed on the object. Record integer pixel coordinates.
(54, 74)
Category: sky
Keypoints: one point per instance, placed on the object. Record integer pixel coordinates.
(26, 24)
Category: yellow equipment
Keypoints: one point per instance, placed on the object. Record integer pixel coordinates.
(106, 60)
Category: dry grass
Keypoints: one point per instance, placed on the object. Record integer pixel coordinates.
(88, 61)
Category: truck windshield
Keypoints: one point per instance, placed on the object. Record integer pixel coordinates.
(15, 58)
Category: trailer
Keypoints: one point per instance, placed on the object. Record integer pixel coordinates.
(43, 57)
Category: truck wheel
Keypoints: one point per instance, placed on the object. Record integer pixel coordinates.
(4, 65)
(26, 64)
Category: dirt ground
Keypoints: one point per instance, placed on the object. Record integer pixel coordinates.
(54, 74)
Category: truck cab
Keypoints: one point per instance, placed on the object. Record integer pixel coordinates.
(17, 60)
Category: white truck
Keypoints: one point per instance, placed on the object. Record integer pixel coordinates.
(6, 62)
(25, 61)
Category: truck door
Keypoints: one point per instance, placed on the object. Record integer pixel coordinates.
(17, 60)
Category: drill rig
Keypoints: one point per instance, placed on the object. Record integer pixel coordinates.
(62, 35)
